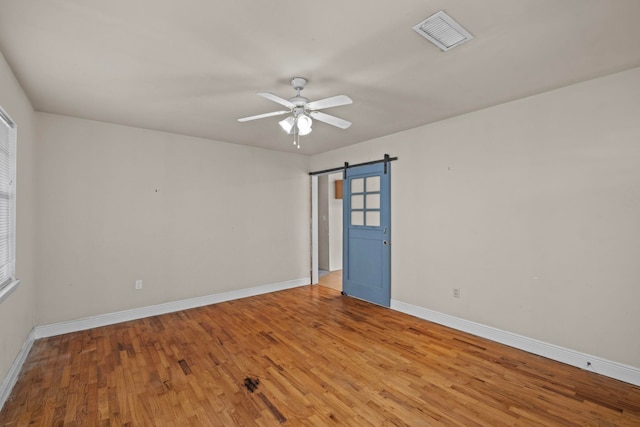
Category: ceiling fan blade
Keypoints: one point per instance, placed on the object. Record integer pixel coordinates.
(334, 101)
(262, 116)
(276, 98)
(332, 120)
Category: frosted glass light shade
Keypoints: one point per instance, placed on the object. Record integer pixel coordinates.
(304, 124)
(287, 124)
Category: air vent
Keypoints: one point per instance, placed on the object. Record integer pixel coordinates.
(441, 30)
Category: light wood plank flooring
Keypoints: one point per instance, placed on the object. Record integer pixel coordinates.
(319, 359)
(332, 280)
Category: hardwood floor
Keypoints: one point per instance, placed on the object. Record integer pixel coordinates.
(332, 280)
(315, 358)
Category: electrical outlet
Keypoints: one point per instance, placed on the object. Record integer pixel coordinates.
(138, 284)
(456, 292)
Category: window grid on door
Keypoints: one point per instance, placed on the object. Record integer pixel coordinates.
(365, 202)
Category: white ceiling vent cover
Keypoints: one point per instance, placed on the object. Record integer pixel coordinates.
(441, 30)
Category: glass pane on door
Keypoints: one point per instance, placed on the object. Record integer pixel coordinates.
(373, 201)
(373, 184)
(357, 185)
(357, 218)
(357, 201)
(373, 218)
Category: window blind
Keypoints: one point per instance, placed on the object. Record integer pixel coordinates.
(7, 199)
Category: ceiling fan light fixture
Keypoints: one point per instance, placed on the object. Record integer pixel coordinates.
(287, 124)
(301, 111)
(304, 122)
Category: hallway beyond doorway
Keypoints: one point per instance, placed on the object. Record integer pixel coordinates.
(332, 280)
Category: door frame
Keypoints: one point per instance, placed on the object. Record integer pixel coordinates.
(314, 230)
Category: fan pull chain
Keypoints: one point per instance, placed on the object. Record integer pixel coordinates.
(296, 136)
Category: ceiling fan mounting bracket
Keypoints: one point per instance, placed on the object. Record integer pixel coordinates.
(298, 83)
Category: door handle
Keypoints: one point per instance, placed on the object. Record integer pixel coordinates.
(384, 242)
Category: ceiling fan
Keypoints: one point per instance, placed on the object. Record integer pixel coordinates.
(301, 111)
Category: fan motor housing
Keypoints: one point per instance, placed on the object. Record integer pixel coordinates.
(298, 111)
(299, 101)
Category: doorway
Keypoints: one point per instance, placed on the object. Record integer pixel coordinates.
(330, 213)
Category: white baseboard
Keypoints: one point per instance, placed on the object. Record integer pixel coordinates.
(154, 310)
(585, 361)
(12, 376)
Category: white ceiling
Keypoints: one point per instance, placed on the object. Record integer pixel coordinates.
(193, 66)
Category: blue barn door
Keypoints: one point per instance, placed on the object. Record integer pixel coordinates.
(366, 270)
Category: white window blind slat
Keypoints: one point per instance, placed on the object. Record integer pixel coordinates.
(7, 199)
